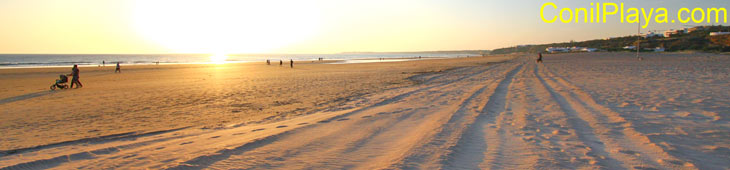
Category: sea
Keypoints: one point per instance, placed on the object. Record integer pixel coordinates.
(65, 60)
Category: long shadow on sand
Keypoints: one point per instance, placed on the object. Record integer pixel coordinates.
(91, 140)
(25, 96)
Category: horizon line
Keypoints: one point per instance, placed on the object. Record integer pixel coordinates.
(352, 52)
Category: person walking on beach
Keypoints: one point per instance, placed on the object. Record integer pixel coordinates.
(75, 79)
(291, 63)
(268, 62)
(281, 62)
(118, 70)
(539, 58)
(103, 63)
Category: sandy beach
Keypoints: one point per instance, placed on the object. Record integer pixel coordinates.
(574, 111)
(152, 98)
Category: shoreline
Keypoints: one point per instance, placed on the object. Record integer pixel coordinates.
(231, 59)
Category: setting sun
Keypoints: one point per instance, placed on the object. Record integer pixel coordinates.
(226, 25)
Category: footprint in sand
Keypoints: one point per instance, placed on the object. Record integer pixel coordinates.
(343, 119)
(303, 123)
(215, 137)
(258, 129)
(185, 143)
(282, 126)
(368, 116)
(160, 148)
(324, 121)
(239, 133)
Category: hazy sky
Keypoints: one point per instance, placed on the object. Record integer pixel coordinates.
(298, 26)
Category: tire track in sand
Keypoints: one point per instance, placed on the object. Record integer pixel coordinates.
(630, 146)
(322, 146)
(512, 151)
(464, 73)
(584, 130)
(431, 154)
(469, 151)
(540, 126)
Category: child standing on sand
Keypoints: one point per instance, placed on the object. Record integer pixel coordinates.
(118, 70)
(539, 58)
(291, 63)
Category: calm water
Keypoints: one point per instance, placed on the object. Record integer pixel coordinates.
(55, 60)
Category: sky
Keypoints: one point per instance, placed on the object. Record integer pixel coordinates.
(300, 26)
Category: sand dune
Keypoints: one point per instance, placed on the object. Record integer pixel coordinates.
(575, 111)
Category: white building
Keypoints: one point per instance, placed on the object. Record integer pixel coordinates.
(673, 32)
(569, 49)
(589, 49)
(556, 49)
(651, 34)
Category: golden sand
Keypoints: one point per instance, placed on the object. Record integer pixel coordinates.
(160, 97)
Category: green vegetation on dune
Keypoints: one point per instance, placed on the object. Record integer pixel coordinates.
(698, 40)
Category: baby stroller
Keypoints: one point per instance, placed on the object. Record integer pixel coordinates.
(60, 83)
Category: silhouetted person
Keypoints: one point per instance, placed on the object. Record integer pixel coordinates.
(75, 79)
(539, 57)
(268, 62)
(118, 70)
(291, 63)
(281, 62)
(103, 63)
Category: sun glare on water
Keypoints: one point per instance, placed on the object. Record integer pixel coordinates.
(218, 59)
(230, 26)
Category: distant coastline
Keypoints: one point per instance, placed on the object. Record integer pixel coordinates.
(422, 52)
(698, 39)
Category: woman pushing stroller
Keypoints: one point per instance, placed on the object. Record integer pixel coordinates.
(75, 79)
(63, 79)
